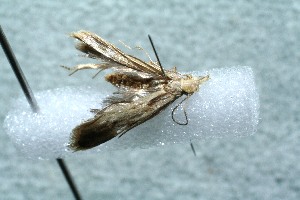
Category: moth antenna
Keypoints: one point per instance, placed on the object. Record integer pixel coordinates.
(157, 58)
(184, 111)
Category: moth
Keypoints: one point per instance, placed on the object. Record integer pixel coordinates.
(144, 89)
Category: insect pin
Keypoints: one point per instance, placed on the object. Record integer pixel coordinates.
(144, 90)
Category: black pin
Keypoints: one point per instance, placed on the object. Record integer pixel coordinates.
(173, 111)
(32, 101)
(157, 58)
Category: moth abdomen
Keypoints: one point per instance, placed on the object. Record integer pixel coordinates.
(128, 81)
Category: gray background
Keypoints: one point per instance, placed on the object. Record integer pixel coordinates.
(193, 35)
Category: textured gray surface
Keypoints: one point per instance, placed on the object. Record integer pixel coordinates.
(195, 35)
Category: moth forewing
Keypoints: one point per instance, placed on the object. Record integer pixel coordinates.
(95, 46)
(143, 92)
(117, 119)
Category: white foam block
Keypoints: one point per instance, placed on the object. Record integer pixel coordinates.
(226, 105)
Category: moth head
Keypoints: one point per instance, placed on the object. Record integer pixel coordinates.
(190, 84)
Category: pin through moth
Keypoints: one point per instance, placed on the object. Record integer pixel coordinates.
(144, 90)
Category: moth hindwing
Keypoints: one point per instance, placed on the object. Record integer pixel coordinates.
(144, 90)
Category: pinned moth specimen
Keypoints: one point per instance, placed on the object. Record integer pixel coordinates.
(144, 90)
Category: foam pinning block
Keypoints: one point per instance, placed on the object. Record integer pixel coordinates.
(227, 105)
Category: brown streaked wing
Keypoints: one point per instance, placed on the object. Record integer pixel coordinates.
(117, 119)
(98, 47)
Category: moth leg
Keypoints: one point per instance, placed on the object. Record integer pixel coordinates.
(125, 45)
(140, 48)
(128, 47)
(83, 66)
(98, 73)
(146, 53)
